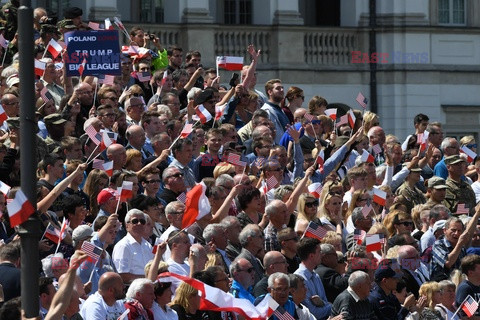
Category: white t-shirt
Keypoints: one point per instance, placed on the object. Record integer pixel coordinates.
(95, 308)
(160, 314)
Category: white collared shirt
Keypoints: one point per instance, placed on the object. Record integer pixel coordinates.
(129, 256)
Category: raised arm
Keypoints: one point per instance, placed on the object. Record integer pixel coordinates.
(253, 66)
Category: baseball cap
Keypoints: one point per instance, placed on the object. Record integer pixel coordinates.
(53, 118)
(82, 232)
(437, 183)
(105, 195)
(385, 271)
(440, 224)
(454, 159)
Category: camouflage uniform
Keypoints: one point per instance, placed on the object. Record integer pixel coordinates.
(459, 192)
(9, 14)
(412, 196)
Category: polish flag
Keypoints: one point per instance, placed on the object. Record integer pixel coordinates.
(186, 130)
(94, 25)
(470, 154)
(4, 188)
(230, 63)
(203, 114)
(119, 24)
(126, 193)
(379, 196)
(52, 233)
(3, 115)
(3, 42)
(197, 205)
(165, 76)
(321, 160)
(63, 231)
(108, 24)
(108, 167)
(82, 67)
(106, 141)
(219, 110)
(315, 189)
(215, 299)
(373, 242)
(40, 67)
(54, 48)
(331, 113)
(367, 157)
(422, 140)
(19, 209)
(351, 118)
(362, 101)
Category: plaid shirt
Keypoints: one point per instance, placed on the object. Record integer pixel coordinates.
(440, 251)
(271, 241)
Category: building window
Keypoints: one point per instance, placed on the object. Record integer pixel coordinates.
(451, 12)
(238, 12)
(151, 11)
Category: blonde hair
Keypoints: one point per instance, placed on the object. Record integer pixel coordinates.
(301, 207)
(368, 119)
(356, 194)
(428, 289)
(213, 259)
(183, 295)
(393, 217)
(322, 210)
(378, 228)
(222, 168)
(332, 238)
(466, 140)
(162, 267)
(131, 154)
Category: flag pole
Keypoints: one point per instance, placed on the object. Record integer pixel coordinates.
(95, 93)
(460, 307)
(61, 234)
(94, 266)
(176, 139)
(44, 232)
(87, 162)
(119, 199)
(4, 55)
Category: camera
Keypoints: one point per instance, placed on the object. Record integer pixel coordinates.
(52, 21)
(151, 36)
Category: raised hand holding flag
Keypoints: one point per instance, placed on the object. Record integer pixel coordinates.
(362, 101)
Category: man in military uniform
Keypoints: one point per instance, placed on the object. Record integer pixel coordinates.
(409, 191)
(9, 14)
(459, 194)
(56, 128)
(436, 190)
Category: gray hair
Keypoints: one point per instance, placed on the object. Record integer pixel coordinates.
(446, 143)
(282, 190)
(48, 262)
(173, 206)
(275, 276)
(167, 172)
(192, 92)
(211, 230)
(272, 207)
(357, 278)
(133, 211)
(228, 221)
(357, 214)
(235, 265)
(163, 109)
(446, 284)
(437, 210)
(250, 230)
(327, 248)
(136, 286)
(453, 220)
(295, 279)
(380, 171)
(223, 179)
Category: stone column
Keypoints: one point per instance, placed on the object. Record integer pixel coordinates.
(99, 10)
(195, 11)
(286, 12)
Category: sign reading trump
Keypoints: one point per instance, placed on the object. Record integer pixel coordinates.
(93, 52)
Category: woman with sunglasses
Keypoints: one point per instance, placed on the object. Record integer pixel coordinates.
(295, 98)
(398, 222)
(330, 213)
(307, 208)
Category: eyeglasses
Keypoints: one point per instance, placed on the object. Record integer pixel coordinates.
(176, 175)
(110, 115)
(5, 103)
(311, 204)
(153, 181)
(316, 122)
(249, 270)
(136, 221)
(112, 98)
(262, 147)
(471, 146)
(406, 223)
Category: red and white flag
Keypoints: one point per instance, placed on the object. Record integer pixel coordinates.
(315, 231)
(144, 76)
(377, 149)
(219, 110)
(215, 299)
(379, 196)
(4, 188)
(126, 192)
(108, 24)
(3, 42)
(187, 129)
(92, 134)
(358, 236)
(81, 68)
(320, 160)
(470, 154)
(98, 164)
(196, 206)
(108, 168)
(373, 242)
(309, 117)
(362, 101)
(351, 118)
(94, 25)
(19, 209)
(271, 182)
(315, 189)
(367, 157)
(40, 67)
(3, 115)
(106, 141)
(63, 231)
(164, 78)
(469, 306)
(234, 159)
(52, 233)
(54, 48)
(92, 251)
(203, 115)
(230, 63)
(331, 113)
(119, 24)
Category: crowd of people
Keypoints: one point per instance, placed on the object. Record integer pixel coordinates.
(320, 209)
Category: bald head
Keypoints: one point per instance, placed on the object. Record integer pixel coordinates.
(108, 281)
(118, 154)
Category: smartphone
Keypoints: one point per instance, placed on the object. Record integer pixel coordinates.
(233, 79)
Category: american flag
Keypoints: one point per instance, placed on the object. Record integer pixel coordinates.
(3, 42)
(106, 79)
(94, 25)
(271, 182)
(259, 162)
(91, 250)
(144, 76)
(92, 134)
(315, 231)
(362, 101)
(98, 164)
(46, 95)
(309, 117)
(366, 210)
(282, 314)
(342, 120)
(377, 149)
(382, 238)
(462, 208)
(358, 236)
(470, 306)
(182, 197)
(234, 159)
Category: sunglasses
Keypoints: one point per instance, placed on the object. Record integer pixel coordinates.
(176, 175)
(136, 221)
(311, 204)
(294, 239)
(249, 270)
(406, 223)
(154, 181)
